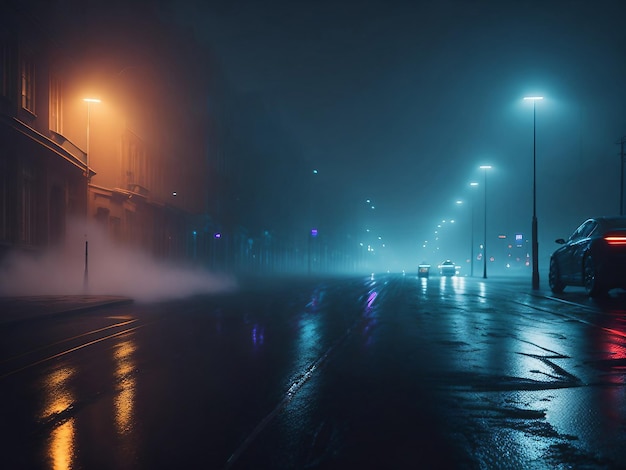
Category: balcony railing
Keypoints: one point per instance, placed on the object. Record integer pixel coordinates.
(68, 146)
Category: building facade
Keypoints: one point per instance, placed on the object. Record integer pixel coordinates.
(126, 158)
(42, 175)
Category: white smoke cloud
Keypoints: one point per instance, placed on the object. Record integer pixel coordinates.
(112, 270)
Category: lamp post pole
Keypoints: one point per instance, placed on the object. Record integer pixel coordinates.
(485, 168)
(472, 244)
(621, 175)
(86, 276)
(89, 101)
(473, 184)
(535, 242)
(459, 202)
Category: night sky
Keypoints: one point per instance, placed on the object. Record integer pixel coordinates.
(400, 102)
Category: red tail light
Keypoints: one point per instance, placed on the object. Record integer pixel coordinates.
(615, 239)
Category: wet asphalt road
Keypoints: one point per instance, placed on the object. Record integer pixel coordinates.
(383, 372)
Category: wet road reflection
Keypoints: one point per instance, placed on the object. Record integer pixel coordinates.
(379, 371)
(451, 285)
(531, 388)
(125, 376)
(56, 414)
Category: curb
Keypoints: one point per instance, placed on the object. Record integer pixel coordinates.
(16, 310)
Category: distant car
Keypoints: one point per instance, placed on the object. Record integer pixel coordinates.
(423, 270)
(447, 268)
(594, 257)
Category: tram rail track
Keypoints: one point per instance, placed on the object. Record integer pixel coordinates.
(34, 357)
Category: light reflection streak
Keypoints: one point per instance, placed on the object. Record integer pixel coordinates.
(616, 354)
(443, 283)
(423, 285)
(309, 326)
(482, 292)
(595, 413)
(306, 360)
(371, 298)
(61, 448)
(454, 283)
(58, 400)
(124, 373)
(316, 300)
(611, 341)
(257, 335)
(369, 317)
(459, 284)
(309, 335)
(613, 337)
(540, 357)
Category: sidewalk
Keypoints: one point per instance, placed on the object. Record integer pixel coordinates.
(18, 309)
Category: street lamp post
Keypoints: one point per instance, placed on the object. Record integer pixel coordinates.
(459, 202)
(485, 168)
(472, 184)
(86, 275)
(622, 141)
(535, 243)
(89, 101)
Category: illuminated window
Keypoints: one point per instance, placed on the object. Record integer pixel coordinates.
(27, 88)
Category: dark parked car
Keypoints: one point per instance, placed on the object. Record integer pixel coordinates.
(594, 257)
(447, 268)
(423, 270)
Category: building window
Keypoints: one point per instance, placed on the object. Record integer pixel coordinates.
(134, 161)
(4, 68)
(28, 83)
(4, 200)
(56, 103)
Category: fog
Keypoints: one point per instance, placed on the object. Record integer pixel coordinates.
(112, 270)
(393, 102)
(401, 102)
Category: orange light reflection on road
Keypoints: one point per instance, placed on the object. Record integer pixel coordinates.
(125, 398)
(58, 400)
(62, 446)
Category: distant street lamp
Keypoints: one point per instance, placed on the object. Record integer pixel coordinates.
(485, 168)
(535, 243)
(472, 184)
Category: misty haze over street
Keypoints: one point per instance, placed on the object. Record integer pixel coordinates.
(367, 121)
(112, 270)
(312, 234)
(400, 102)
